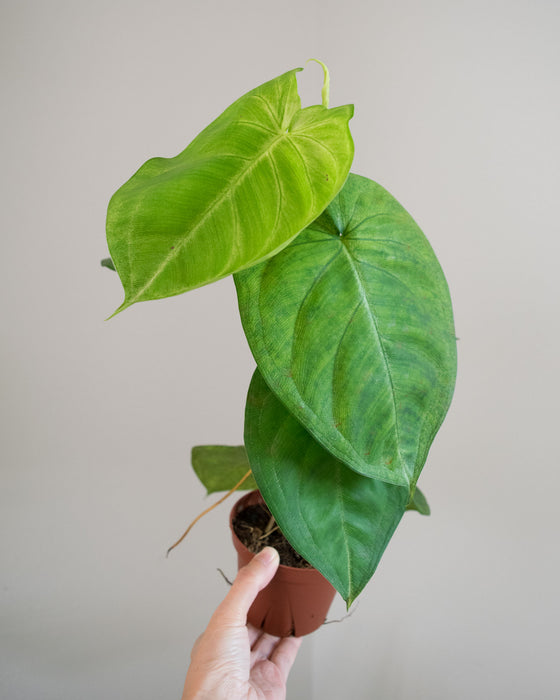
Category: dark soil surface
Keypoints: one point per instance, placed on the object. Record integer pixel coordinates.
(250, 526)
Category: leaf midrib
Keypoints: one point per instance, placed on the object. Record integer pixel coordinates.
(364, 299)
(344, 525)
(227, 191)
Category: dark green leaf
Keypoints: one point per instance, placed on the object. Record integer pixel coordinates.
(246, 186)
(351, 326)
(221, 467)
(339, 520)
(107, 262)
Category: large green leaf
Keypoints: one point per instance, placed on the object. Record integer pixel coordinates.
(351, 326)
(246, 185)
(340, 521)
(221, 467)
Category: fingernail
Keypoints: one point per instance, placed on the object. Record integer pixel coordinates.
(268, 555)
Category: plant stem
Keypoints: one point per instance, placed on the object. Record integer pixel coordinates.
(326, 81)
(270, 526)
(204, 512)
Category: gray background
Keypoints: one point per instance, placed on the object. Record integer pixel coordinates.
(457, 114)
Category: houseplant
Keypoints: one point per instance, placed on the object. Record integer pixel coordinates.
(343, 303)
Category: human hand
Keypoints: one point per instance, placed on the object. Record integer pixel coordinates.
(233, 660)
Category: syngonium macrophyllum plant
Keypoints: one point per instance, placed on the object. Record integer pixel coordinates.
(344, 305)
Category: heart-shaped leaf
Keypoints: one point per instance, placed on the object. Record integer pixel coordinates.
(221, 467)
(351, 326)
(339, 520)
(247, 184)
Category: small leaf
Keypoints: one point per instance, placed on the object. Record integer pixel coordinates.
(247, 185)
(351, 326)
(340, 521)
(107, 262)
(419, 503)
(221, 467)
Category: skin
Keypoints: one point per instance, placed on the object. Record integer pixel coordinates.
(233, 660)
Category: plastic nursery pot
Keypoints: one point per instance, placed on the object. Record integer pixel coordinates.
(296, 601)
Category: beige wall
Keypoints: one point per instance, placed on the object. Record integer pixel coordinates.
(457, 114)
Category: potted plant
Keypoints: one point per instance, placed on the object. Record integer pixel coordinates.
(343, 303)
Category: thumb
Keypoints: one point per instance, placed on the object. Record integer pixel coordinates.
(250, 580)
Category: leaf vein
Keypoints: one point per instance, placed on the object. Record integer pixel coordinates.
(209, 211)
(280, 191)
(316, 141)
(386, 272)
(364, 300)
(306, 171)
(256, 125)
(340, 495)
(321, 272)
(363, 221)
(269, 109)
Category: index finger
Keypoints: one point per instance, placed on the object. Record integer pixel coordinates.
(250, 580)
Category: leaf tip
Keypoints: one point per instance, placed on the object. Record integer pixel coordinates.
(122, 307)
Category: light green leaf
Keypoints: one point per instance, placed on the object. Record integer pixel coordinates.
(419, 503)
(340, 521)
(351, 326)
(221, 467)
(246, 186)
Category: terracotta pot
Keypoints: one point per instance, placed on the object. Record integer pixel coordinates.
(295, 602)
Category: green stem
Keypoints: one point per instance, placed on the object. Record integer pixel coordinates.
(326, 82)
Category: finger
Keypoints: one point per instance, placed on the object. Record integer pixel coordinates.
(196, 645)
(263, 648)
(251, 579)
(254, 633)
(285, 654)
